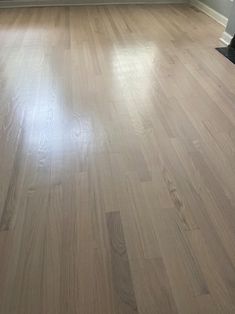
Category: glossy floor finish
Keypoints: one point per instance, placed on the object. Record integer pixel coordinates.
(117, 147)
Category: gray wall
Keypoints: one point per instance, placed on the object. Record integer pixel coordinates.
(231, 21)
(221, 6)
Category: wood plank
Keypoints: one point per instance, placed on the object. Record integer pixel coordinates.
(117, 168)
(122, 279)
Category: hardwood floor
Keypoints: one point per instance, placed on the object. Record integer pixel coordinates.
(117, 162)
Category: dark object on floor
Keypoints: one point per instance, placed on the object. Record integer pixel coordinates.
(228, 52)
(232, 43)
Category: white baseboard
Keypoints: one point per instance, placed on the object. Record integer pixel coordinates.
(209, 11)
(226, 38)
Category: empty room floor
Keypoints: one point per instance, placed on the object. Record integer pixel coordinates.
(117, 162)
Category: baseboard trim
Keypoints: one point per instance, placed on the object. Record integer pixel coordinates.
(48, 3)
(226, 38)
(221, 19)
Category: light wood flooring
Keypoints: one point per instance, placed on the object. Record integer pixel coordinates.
(117, 162)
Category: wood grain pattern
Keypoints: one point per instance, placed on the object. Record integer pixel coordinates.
(123, 285)
(117, 162)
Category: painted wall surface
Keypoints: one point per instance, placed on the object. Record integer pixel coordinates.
(221, 6)
(231, 21)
